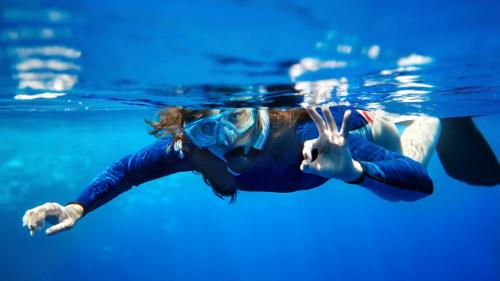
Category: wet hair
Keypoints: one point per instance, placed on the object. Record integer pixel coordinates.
(171, 122)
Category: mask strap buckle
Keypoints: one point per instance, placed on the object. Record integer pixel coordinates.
(178, 149)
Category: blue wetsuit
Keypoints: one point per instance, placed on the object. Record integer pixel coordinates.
(388, 174)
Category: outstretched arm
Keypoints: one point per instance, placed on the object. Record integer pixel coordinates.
(150, 163)
(335, 154)
(147, 164)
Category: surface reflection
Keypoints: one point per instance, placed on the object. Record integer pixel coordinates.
(312, 65)
(42, 15)
(146, 58)
(51, 51)
(43, 67)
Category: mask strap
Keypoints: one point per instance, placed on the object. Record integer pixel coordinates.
(264, 125)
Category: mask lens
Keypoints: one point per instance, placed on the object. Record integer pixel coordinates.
(207, 128)
(203, 134)
(241, 120)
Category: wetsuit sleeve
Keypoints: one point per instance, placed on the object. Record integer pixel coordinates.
(389, 174)
(150, 163)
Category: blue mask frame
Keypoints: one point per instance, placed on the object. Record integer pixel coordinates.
(204, 132)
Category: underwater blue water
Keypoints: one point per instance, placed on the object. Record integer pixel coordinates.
(78, 78)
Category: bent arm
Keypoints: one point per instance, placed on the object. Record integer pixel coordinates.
(147, 164)
(389, 174)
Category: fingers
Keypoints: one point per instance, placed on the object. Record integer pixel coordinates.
(35, 218)
(308, 165)
(344, 131)
(307, 150)
(31, 224)
(64, 225)
(316, 119)
(330, 122)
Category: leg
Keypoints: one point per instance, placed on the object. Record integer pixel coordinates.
(385, 134)
(419, 139)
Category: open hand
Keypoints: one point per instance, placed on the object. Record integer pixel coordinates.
(64, 217)
(329, 155)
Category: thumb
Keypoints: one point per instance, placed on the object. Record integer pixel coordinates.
(64, 225)
(309, 167)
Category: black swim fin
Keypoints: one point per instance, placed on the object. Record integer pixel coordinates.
(465, 153)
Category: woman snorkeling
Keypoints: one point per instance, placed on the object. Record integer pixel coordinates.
(262, 149)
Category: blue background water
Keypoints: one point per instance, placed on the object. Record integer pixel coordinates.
(137, 55)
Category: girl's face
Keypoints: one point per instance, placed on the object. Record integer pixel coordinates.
(223, 131)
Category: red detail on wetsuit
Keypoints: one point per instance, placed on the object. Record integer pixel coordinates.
(369, 117)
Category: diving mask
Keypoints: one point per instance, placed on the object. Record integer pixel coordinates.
(222, 128)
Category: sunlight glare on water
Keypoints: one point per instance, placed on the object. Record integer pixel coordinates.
(53, 63)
